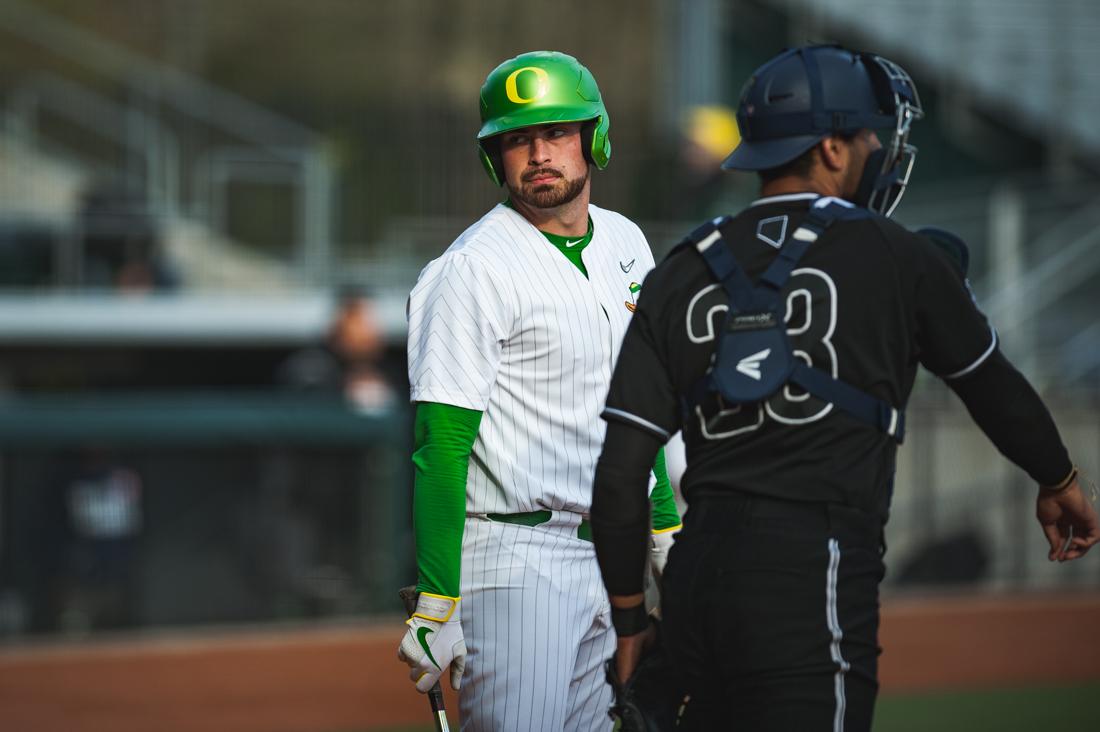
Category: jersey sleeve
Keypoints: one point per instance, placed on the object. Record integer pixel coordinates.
(641, 392)
(953, 335)
(459, 317)
(1011, 414)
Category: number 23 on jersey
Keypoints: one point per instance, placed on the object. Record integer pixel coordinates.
(810, 319)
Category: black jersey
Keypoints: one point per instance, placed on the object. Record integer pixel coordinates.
(868, 301)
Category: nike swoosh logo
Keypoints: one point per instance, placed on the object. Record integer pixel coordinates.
(573, 243)
(422, 636)
(627, 267)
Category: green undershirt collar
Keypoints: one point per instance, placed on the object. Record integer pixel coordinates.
(570, 246)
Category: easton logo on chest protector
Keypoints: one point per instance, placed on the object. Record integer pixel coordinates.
(750, 365)
(753, 357)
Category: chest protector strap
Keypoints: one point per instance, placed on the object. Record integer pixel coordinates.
(753, 358)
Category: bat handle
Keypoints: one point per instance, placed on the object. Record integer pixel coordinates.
(435, 696)
(409, 598)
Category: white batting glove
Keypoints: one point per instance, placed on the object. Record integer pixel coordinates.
(433, 642)
(659, 545)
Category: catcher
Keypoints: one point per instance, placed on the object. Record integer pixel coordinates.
(784, 342)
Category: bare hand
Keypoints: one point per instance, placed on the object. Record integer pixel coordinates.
(1069, 521)
(631, 649)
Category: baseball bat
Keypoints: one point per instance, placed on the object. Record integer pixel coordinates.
(409, 597)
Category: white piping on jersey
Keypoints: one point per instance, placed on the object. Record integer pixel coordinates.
(804, 234)
(825, 201)
(981, 359)
(837, 635)
(638, 421)
(785, 197)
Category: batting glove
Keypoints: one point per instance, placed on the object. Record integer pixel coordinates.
(434, 641)
(659, 546)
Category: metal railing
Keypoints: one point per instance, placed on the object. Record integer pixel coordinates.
(1034, 251)
(249, 145)
(988, 51)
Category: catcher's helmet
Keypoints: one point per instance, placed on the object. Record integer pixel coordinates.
(805, 94)
(538, 88)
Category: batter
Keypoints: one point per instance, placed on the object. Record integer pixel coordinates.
(513, 333)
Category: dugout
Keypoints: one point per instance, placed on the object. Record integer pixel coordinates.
(157, 468)
(250, 507)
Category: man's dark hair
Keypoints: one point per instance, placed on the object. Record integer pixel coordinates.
(801, 166)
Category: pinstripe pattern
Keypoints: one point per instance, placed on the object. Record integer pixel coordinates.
(503, 323)
(537, 628)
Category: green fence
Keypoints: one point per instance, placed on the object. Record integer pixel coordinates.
(122, 511)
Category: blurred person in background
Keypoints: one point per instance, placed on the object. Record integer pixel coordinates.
(348, 361)
(709, 132)
(100, 506)
(785, 341)
(122, 243)
(691, 184)
(512, 334)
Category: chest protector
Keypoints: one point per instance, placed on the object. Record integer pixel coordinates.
(753, 358)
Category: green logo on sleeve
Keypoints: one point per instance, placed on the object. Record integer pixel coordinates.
(634, 288)
(422, 636)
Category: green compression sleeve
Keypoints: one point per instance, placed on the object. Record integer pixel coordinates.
(665, 515)
(444, 438)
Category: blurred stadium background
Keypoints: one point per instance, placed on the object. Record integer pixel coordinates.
(211, 214)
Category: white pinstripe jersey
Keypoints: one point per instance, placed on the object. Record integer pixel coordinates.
(504, 324)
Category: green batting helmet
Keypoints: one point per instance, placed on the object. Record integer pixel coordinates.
(538, 88)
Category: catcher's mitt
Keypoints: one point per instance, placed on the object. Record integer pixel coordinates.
(650, 700)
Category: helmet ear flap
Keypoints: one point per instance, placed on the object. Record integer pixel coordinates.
(595, 142)
(588, 130)
(489, 152)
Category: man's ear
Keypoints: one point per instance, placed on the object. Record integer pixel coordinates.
(833, 152)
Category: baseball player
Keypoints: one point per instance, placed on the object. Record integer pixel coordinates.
(513, 333)
(785, 341)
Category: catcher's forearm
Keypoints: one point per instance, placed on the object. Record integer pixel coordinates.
(1011, 414)
(628, 615)
(622, 604)
(620, 507)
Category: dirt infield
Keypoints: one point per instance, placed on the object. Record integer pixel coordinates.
(969, 642)
(327, 680)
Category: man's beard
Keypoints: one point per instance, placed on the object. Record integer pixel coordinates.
(548, 195)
